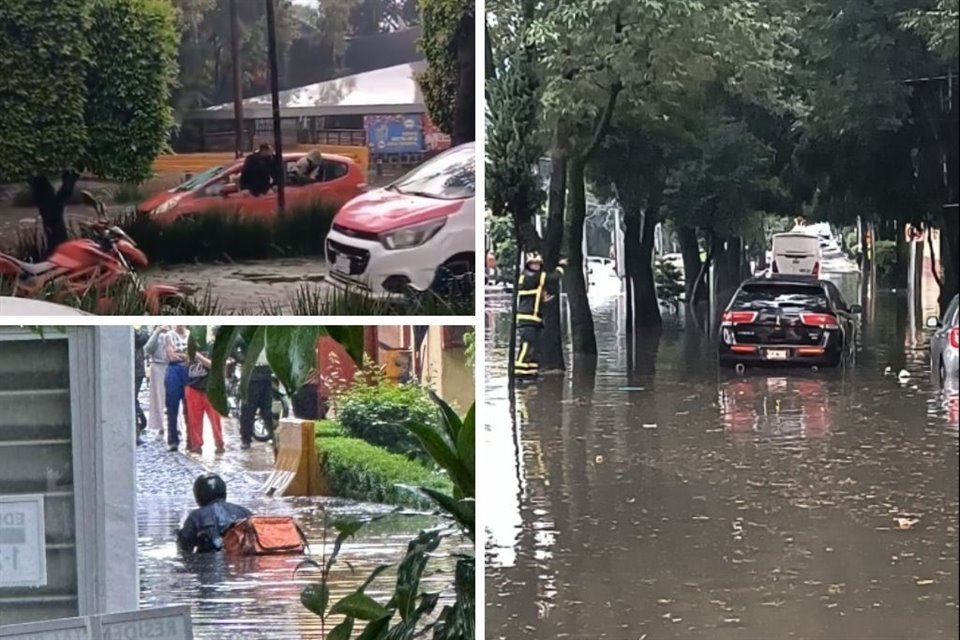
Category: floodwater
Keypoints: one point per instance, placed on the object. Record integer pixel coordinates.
(258, 597)
(679, 501)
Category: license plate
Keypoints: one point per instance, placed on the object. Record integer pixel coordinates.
(775, 354)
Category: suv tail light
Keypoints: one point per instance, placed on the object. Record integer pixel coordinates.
(955, 338)
(816, 269)
(822, 320)
(739, 317)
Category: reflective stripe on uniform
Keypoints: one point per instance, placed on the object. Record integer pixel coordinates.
(536, 303)
(526, 316)
(523, 354)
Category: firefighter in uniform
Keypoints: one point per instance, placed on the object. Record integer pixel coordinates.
(533, 289)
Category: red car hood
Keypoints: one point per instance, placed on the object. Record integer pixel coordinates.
(155, 201)
(383, 210)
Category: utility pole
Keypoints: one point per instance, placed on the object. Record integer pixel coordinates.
(275, 98)
(237, 87)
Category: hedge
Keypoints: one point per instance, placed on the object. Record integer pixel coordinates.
(361, 471)
(381, 413)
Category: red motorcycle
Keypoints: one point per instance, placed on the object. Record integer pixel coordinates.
(103, 258)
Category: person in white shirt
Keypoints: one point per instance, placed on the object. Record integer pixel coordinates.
(155, 351)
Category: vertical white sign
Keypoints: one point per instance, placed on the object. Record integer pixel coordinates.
(23, 549)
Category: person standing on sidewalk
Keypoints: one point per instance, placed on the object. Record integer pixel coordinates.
(140, 337)
(259, 398)
(175, 380)
(156, 351)
(198, 405)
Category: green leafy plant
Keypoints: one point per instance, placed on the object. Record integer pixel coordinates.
(669, 283)
(382, 412)
(409, 612)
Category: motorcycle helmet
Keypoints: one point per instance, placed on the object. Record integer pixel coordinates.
(208, 488)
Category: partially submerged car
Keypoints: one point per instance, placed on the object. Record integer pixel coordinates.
(787, 320)
(945, 342)
(216, 190)
(418, 233)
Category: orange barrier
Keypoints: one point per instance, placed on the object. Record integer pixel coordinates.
(197, 162)
(297, 469)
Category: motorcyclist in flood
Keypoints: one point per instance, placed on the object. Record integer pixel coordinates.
(203, 529)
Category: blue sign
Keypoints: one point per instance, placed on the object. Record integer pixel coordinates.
(394, 134)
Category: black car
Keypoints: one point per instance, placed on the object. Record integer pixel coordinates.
(787, 320)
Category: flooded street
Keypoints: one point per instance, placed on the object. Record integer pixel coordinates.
(676, 500)
(254, 597)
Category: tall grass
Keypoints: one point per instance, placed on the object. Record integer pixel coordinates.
(124, 298)
(320, 300)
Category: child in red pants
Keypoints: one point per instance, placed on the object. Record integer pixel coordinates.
(198, 406)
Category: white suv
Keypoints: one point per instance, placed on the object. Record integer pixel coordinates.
(410, 234)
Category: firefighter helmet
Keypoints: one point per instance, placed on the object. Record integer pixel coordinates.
(534, 256)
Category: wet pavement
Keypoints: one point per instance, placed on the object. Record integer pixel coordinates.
(256, 597)
(245, 287)
(672, 500)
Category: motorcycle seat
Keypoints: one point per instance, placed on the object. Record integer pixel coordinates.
(36, 268)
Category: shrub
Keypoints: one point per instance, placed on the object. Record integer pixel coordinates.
(381, 412)
(328, 429)
(361, 471)
(218, 235)
(885, 256)
(128, 192)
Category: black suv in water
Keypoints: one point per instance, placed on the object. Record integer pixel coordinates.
(787, 320)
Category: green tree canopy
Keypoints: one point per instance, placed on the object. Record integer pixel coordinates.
(89, 86)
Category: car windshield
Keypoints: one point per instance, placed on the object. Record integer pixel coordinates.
(449, 176)
(758, 297)
(198, 179)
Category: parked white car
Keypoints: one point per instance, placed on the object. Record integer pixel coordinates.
(413, 234)
(11, 306)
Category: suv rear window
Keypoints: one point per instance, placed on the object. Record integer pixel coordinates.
(782, 296)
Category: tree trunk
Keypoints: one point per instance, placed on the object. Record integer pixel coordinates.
(551, 340)
(690, 250)
(557, 194)
(949, 257)
(581, 317)
(901, 266)
(648, 305)
(51, 205)
(464, 123)
(729, 266)
(632, 230)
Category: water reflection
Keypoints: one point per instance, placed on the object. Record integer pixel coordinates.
(653, 496)
(777, 407)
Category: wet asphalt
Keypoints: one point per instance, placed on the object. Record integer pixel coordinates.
(670, 499)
